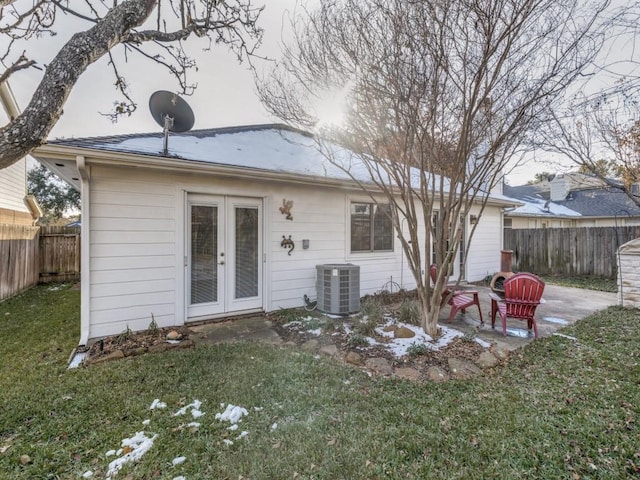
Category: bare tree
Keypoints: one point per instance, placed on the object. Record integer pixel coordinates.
(440, 97)
(602, 136)
(159, 38)
(599, 128)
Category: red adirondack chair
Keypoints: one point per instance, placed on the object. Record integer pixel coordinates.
(460, 299)
(522, 295)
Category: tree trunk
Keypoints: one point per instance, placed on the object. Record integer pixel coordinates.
(429, 311)
(30, 129)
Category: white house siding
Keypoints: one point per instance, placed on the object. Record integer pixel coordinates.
(484, 252)
(137, 244)
(13, 187)
(133, 251)
(137, 232)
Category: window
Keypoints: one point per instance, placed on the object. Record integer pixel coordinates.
(508, 223)
(371, 228)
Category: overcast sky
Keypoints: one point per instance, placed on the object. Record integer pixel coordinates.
(225, 96)
(226, 93)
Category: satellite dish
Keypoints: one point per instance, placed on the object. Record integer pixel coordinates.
(171, 112)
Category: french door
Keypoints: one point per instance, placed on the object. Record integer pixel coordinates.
(224, 255)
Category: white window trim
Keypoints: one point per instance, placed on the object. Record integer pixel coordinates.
(349, 255)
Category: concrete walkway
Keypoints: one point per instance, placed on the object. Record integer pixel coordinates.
(564, 306)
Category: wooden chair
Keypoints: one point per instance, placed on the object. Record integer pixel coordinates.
(522, 295)
(459, 300)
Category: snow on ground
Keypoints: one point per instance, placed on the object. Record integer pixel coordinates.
(195, 409)
(136, 447)
(399, 346)
(232, 414)
(157, 404)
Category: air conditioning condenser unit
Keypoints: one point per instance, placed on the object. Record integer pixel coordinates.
(338, 288)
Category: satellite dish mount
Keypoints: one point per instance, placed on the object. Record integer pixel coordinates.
(172, 113)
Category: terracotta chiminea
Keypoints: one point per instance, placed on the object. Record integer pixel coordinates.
(497, 282)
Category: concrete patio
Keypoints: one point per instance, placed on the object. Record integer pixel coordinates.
(563, 306)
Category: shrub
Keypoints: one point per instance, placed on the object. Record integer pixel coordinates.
(357, 340)
(288, 315)
(469, 337)
(366, 326)
(417, 349)
(409, 312)
(372, 310)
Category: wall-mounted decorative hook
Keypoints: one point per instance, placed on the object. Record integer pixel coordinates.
(287, 243)
(286, 207)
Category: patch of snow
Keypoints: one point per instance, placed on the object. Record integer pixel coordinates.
(178, 461)
(294, 324)
(243, 434)
(227, 441)
(258, 409)
(195, 405)
(482, 343)
(173, 342)
(196, 413)
(274, 426)
(139, 445)
(146, 422)
(568, 337)
(180, 477)
(558, 320)
(87, 474)
(193, 424)
(232, 414)
(233, 427)
(399, 346)
(110, 453)
(536, 206)
(157, 404)
(316, 332)
(77, 360)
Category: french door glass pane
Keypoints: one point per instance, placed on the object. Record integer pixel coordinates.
(246, 261)
(204, 254)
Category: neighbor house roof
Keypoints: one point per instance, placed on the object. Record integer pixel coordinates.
(602, 201)
(267, 150)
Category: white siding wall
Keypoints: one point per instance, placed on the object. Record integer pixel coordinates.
(137, 244)
(133, 251)
(13, 187)
(484, 251)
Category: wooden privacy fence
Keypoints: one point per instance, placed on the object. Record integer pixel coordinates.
(19, 258)
(568, 251)
(59, 254)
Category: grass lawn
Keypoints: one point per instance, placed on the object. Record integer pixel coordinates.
(561, 409)
(585, 281)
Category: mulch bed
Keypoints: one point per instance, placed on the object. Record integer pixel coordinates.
(129, 344)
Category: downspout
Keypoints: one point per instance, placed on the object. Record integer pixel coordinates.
(85, 281)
